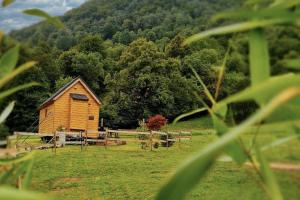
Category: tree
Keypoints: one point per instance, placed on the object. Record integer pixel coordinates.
(88, 66)
(176, 48)
(91, 44)
(147, 86)
(62, 81)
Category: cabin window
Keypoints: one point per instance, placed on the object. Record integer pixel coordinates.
(91, 117)
(46, 112)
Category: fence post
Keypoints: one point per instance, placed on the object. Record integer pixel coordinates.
(151, 135)
(54, 140)
(179, 140)
(167, 137)
(105, 138)
(62, 139)
(81, 141)
(85, 142)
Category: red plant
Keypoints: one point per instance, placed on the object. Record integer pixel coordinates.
(156, 122)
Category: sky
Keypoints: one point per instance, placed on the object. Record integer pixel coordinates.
(11, 17)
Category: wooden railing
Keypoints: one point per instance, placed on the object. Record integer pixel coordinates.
(59, 138)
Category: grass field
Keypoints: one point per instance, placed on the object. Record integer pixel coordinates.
(128, 172)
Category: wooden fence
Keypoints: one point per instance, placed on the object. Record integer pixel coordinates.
(59, 138)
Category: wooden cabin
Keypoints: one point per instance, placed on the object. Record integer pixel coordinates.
(74, 107)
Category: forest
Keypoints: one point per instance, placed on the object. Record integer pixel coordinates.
(131, 54)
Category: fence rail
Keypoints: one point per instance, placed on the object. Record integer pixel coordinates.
(59, 139)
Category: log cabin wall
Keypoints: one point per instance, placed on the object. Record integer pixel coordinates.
(71, 113)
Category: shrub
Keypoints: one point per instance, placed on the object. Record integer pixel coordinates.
(156, 122)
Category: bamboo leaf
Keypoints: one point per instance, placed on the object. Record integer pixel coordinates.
(269, 179)
(234, 149)
(252, 14)
(221, 74)
(15, 194)
(206, 91)
(5, 113)
(285, 4)
(193, 170)
(17, 89)
(264, 92)
(292, 63)
(9, 60)
(17, 160)
(7, 2)
(28, 174)
(7, 175)
(16, 72)
(240, 27)
(189, 114)
(39, 13)
(279, 142)
(259, 57)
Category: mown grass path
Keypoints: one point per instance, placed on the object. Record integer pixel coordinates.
(128, 172)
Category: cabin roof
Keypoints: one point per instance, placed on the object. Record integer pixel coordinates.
(62, 90)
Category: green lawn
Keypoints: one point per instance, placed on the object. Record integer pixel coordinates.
(128, 172)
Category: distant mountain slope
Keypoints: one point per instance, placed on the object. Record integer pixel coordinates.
(125, 20)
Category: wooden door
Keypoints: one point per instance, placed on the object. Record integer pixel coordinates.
(78, 115)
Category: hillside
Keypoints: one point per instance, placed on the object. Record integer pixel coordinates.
(130, 54)
(123, 21)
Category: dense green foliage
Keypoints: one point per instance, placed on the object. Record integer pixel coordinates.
(130, 53)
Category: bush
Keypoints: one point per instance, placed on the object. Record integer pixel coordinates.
(156, 122)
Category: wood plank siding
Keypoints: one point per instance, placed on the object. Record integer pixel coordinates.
(72, 114)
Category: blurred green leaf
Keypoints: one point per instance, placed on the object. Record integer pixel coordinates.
(15, 194)
(5, 113)
(6, 175)
(241, 27)
(17, 160)
(9, 60)
(252, 14)
(269, 179)
(28, 174)
(7, 2)
(292, 63)
(206, 91)
(263, 92)
(259, 57)
(193, 170)
(11, 91)
(285, 3)
(279, 142)
(16, 72)
(234, 149)
(221, 111)
(266, 90)
(189, 114)
(39, 13)
(221, 74)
